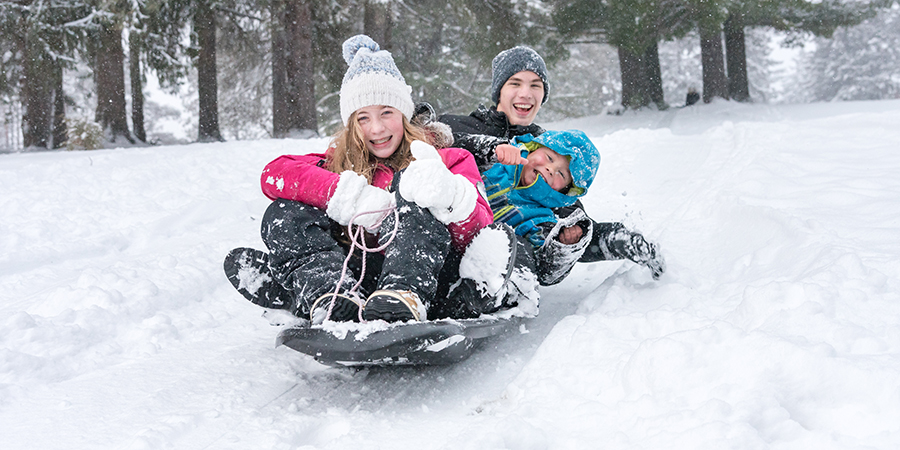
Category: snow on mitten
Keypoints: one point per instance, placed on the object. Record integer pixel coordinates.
(354, 197)
(465, 195)
(428, 183)
(373, 205)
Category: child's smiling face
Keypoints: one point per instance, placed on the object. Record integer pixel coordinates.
(382, 129)
(521, 97)
(548, 164)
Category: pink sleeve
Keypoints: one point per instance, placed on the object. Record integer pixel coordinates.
(462, 162)
(299, 178)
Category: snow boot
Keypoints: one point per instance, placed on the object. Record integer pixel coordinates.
(394, 306)
(496, 272)
(248, 271)
(335, 307)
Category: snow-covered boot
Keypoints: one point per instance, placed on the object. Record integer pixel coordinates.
(497, 271)
(394, 306)
(248, 271)
(336, 307)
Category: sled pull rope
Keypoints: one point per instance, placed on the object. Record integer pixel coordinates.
(357, 240)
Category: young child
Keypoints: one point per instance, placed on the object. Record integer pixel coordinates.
(552, 170)
(526, 245)
(377, 186)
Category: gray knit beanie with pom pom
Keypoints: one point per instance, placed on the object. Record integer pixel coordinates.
(372, 79)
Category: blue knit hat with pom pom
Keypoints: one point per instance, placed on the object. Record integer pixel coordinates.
(372, 79)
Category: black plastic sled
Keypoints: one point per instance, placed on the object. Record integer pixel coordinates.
(436, 342)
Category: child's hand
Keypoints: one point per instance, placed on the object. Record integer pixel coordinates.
(509, 155)
(570, 235)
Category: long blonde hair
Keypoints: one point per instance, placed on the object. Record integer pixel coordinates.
(349, 152)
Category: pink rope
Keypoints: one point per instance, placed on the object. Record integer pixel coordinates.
(357, 240)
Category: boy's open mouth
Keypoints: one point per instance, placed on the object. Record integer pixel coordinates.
(523, 107)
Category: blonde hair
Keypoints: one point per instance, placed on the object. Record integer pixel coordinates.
(349, 152)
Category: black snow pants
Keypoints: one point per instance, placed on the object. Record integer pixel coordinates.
(307, 251)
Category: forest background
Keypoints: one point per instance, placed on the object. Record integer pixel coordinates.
(85, 74)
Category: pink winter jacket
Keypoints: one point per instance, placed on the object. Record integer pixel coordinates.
(303, 178)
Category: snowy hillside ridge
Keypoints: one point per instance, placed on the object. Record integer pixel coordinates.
(777, 324)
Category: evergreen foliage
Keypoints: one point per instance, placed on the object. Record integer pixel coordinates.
(856, 63)
(646, 51)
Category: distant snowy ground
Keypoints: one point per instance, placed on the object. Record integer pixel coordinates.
(776, 327)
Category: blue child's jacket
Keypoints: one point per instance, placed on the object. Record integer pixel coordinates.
(527, 208)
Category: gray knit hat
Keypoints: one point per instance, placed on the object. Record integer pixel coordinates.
(510, 62)
(372, 79)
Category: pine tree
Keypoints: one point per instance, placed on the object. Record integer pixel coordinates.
(109, 77)
(293, 70)
(40, 47)
(820, 18)
(635, 28)
(857, 63)
(445, 49)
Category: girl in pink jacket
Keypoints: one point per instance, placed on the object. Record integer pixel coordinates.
(380, 186)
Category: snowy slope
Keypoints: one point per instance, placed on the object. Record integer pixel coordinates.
(777, 325)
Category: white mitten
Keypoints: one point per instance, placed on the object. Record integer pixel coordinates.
(354, 199)
(428, 183)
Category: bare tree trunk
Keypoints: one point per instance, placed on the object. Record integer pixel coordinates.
(641, 78)
(377, 22)
(280, 121)
(60, 131)
(36, 95)
(653, 77)
(293, 66)
(137, 86)
(736, 55)
(714, 81)
(634, 95)
(207, 82)
(109, 76)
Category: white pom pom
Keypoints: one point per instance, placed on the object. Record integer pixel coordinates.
(354, 44)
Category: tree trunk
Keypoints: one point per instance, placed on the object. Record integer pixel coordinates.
(634, 96)
(60, 131)
(207, 83)
(109, 76)
(736, 55)
(280, 120)
(653, 77)
(137, 86)
(37, 94)
(641, 78)
(377, 22)
(293, 66)
(714, 81)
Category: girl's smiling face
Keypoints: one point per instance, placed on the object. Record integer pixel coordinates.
(548, 164)
(382, 129)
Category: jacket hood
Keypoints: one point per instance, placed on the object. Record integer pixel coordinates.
(584, 158)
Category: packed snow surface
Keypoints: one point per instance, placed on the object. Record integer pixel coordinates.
(777, 325)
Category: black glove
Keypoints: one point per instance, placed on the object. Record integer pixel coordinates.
(633, 246)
